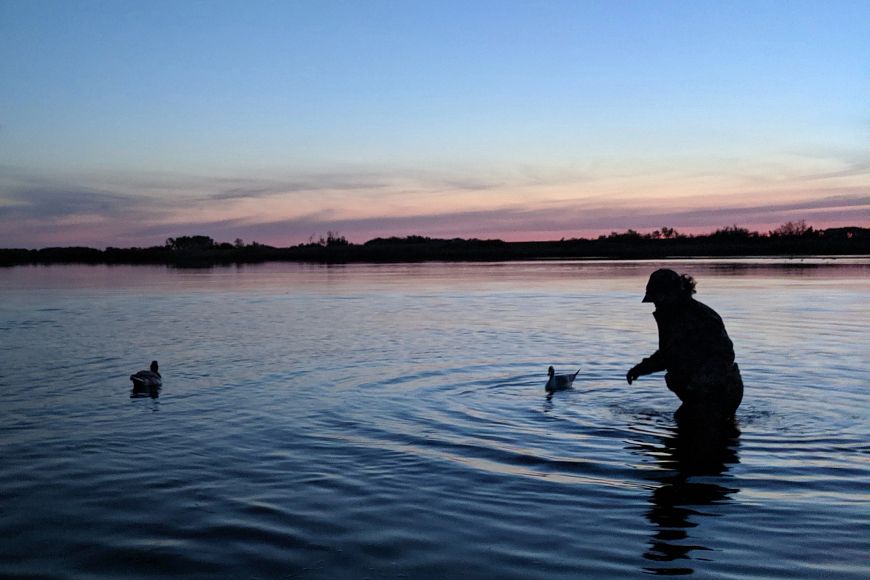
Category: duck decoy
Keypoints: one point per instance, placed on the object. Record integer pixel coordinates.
(149, 379)
(559, 382)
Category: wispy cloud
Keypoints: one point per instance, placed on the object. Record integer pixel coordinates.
(229, 189)
(52, 203)
(525, 203)
(524, 222)
(854, 169)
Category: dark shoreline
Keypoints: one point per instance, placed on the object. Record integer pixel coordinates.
(202, 251)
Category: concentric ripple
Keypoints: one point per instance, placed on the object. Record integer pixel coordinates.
(391, 421)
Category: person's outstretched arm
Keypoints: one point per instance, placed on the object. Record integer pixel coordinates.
(652, 364)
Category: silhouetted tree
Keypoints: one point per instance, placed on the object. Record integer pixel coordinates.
(332, 239)
(190, 243)
(394, 240)
(670, 233)
(792, 230)
(732, 232)
(628, 235)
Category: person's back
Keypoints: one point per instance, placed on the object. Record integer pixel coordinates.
(698, 356)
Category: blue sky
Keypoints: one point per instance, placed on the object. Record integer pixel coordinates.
(122, 123)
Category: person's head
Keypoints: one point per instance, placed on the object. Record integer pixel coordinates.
(551, 371)
(154, 366)
(667, 287)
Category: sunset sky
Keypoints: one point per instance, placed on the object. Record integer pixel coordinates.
(124, 123)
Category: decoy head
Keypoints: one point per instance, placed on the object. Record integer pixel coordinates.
(154, 366)
(551, 371)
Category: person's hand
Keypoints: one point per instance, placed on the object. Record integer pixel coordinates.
(632, 375)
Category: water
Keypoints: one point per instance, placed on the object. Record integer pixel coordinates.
(390, 421)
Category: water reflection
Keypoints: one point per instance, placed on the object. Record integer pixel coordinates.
(141, 392)
(695, 457)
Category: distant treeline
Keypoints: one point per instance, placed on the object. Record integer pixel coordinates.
(790, 239)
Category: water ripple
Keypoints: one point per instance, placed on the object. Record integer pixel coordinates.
(391, 421)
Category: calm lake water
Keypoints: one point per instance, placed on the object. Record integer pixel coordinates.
(390, 421)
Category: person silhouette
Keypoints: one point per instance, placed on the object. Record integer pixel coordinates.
(694, 349)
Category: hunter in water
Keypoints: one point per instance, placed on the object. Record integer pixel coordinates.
(694, 349)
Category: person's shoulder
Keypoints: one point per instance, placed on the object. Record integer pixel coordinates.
(701, 309)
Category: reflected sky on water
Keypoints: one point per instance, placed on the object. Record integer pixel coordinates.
(391, 421)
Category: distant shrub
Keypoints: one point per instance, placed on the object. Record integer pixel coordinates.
(792, 230)
(190, 243)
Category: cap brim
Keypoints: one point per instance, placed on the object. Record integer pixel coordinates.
(647, 299)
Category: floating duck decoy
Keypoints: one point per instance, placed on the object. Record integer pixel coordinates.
(150, 379)
(559, 382)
